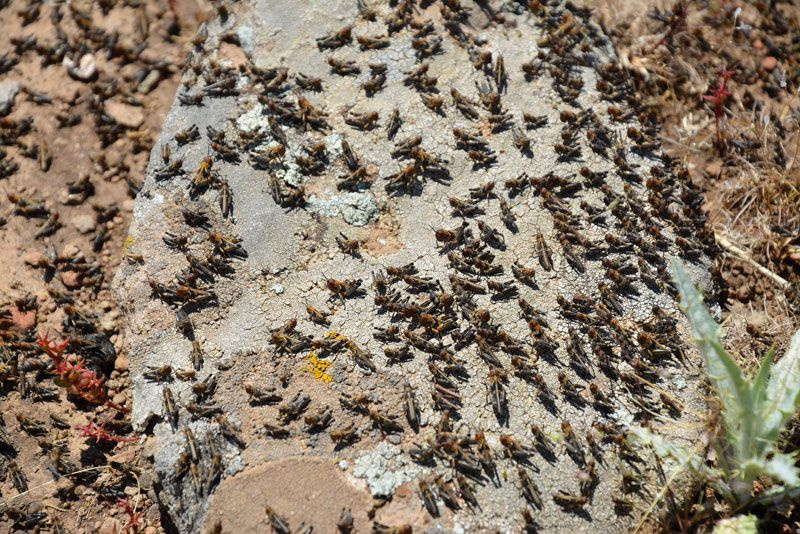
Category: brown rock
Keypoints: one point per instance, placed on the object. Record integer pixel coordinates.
(120, 399)
(125, 114)
(121, 363)
(125, 457)
(33, 258)
(769, 63)
(110, 526)
(71, 279)
(713, 168)
(22, 321)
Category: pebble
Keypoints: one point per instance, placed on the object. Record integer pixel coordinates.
(8, 92)
(71, 279)
(64, 486)
(121, 363)
(84, 223)
(110, 526)
(20, 320)
(84, 70)
(125, 114)
(150, 81)
(713, 168)
(108, 322)
(120, 399)
(769, 63)
(278, 289)
(33, 258)
(71, 250)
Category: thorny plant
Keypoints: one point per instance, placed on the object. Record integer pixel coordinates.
(132, 526)
(718, 97)
(76, 377)
(100, 434)
(754, 413)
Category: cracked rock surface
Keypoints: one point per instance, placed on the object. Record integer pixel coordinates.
(408, 264)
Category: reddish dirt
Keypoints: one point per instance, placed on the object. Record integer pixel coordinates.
(88, 236)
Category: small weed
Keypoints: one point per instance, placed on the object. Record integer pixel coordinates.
(100, 435)
(76, 377)
(132, 526)
(718, 97)
(754, 413)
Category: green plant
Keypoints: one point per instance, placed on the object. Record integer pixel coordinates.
(754, 412)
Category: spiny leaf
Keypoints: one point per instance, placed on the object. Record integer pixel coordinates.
(733, 389)
(782, 469)
(783, 392)
(741, 524)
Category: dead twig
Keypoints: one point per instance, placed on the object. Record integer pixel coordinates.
(726, 245)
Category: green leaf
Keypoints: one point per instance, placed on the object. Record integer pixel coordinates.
(781, 469)
(759, 391)
(759, 396)
(741, 524)
(732, 388)
(783, 392)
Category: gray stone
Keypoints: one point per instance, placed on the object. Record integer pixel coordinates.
(571, 213)
(8, 92)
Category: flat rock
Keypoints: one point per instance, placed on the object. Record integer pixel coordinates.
(125, 114)
(495, 269)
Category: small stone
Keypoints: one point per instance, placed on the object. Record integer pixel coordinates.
(121, 363)
(769, 63)
(110, 526)
(127, 205)
(150, 81)
(108, 322)
(120, 399)
(758, 44)
(8, 92)
(33, 258)
(64, 486)
(22, 321)
(84, 223)
(85, 70)
(394, 439)
(71, 250)
(71, 279)
(277, 289)
(343, 465)
(713, 168)
(125, 114)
